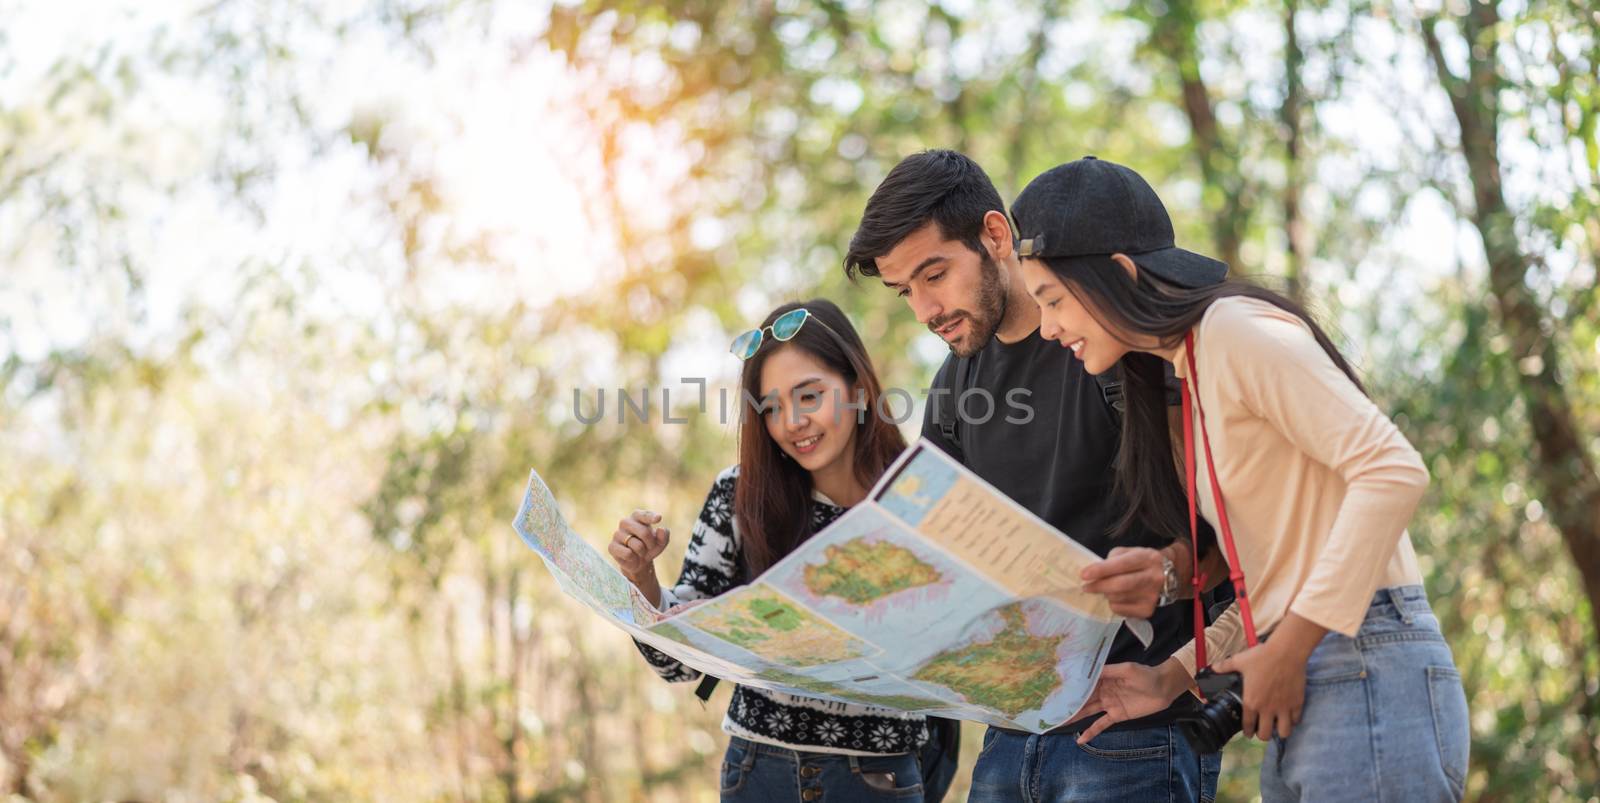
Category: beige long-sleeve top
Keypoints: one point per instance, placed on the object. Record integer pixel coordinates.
(1319, 483)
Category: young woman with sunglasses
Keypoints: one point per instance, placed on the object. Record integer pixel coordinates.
(1345, 672)
(804, 458)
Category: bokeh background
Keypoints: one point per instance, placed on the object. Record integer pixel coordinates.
(293, 294)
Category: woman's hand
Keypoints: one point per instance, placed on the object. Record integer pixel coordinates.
(684, 606)
(635, 545)
(1275, 677)
(1129, 691)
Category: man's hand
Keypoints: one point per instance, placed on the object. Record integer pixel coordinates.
(1275, 677)
(1131, 579)
(1129, 691)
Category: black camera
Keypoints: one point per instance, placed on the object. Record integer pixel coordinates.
(1208, 725)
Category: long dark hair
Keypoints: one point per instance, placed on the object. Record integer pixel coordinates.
(772, 497)
(1148, 306)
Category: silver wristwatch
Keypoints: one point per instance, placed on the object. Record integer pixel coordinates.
(1169, 589)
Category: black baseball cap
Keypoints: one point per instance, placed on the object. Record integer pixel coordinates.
(1091, 209)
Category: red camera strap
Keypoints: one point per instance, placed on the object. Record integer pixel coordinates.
(1191, 402)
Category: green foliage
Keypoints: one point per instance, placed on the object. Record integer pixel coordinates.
(254, 527)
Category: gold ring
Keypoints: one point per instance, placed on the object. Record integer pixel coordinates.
(632, 538)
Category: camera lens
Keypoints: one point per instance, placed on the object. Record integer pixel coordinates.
(1214, 723)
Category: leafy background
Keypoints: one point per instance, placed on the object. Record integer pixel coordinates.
(295, 293)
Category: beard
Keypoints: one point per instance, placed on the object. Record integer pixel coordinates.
(984, 319)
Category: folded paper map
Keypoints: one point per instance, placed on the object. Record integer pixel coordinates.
(937, 594)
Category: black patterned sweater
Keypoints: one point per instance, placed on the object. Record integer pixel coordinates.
(710, 567)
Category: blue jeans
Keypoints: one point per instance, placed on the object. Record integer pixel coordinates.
(762, 773)
(1148, 764)
(1385, 717)
(939, 759)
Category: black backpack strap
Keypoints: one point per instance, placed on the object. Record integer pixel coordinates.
(1110, 383)
(947, 413)
(708, 684)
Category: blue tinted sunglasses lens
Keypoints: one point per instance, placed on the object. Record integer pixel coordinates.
(788, 324)
(745, 345)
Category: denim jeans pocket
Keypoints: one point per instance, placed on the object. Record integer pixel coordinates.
(891, 778)
(1451, 727)
(1127, 746)
(1337, 659)
(733, 769)
(732, 777)
(990, 736)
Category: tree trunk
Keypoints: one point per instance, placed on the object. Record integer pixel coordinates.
(511, 736)
(1294, 225)
(1027, 89)
(1174, 34)
(590, 748)
(458, 703)
(1568, 484)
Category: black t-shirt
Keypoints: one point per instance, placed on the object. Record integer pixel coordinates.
(1059, 464)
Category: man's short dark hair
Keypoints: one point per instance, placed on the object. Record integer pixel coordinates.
(942, 186)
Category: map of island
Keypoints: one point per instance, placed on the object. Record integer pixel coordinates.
(860, 571)
(764, 621)
(936, 594)
(671, 632)
(902, 702)
(1012, 672)
(539, 521)
(916, 489)
(583, 570)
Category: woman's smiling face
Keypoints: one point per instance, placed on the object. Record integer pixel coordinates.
(1064, 319)
(811, 423)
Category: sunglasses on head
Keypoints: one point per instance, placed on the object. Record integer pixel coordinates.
(785, 327)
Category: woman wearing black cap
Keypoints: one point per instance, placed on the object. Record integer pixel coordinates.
(1308, 483)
